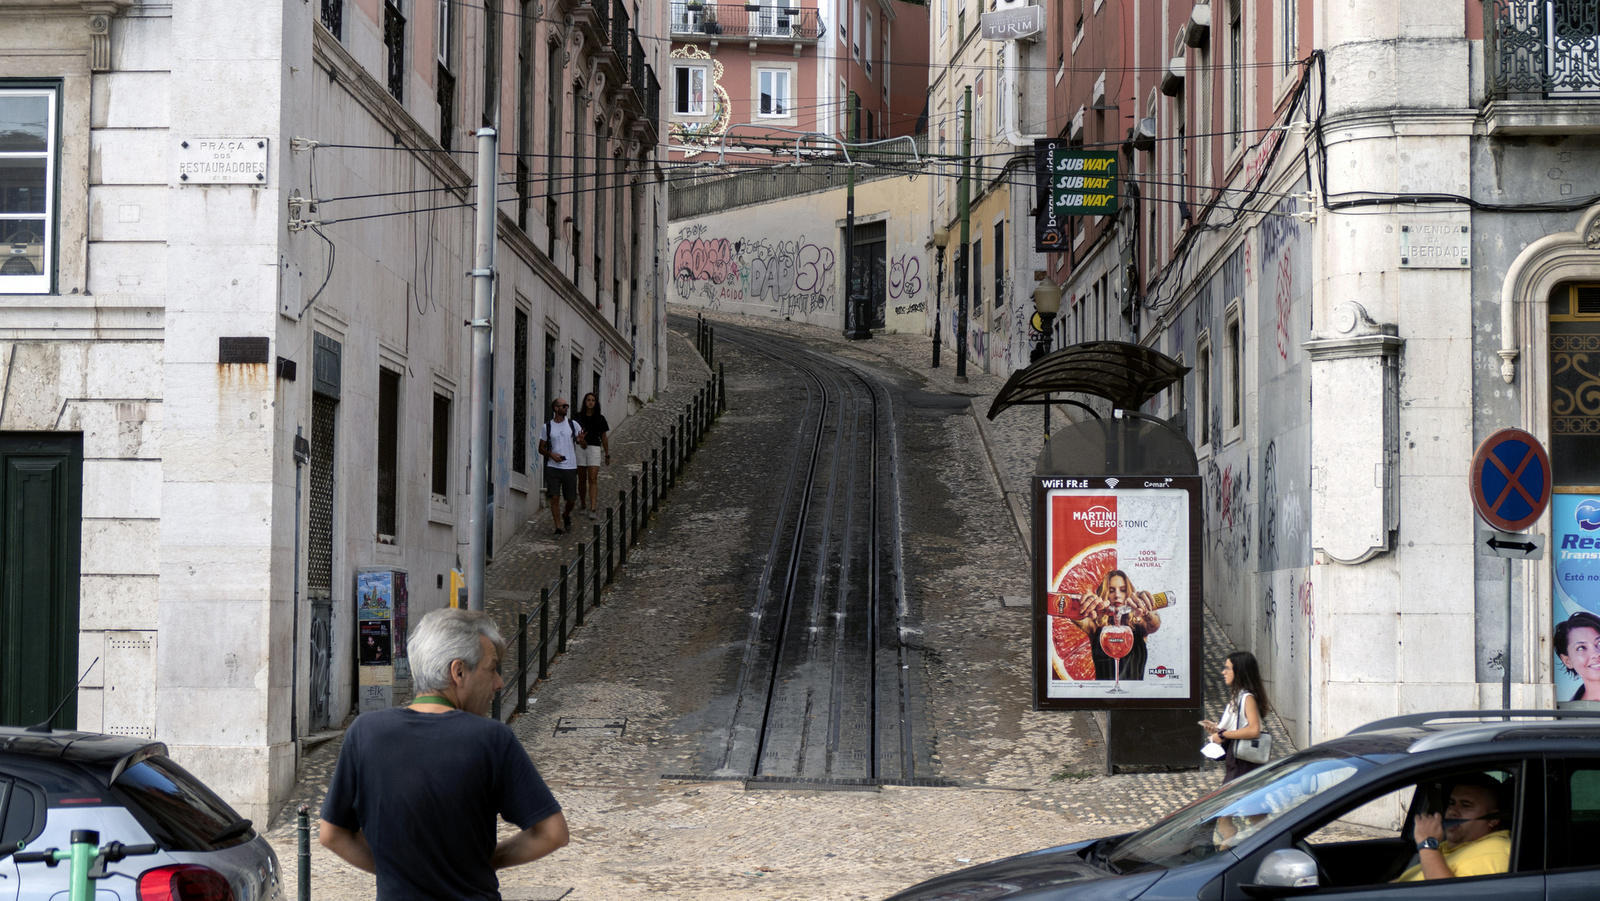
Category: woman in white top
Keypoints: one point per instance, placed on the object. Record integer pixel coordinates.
(1247, 704)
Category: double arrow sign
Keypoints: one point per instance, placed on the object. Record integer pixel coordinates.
(1516, 545)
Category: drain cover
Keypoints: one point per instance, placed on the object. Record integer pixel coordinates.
(610, 726)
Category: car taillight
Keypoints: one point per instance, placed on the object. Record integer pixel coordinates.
(184, 882)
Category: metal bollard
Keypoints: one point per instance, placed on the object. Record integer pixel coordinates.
(722, 390)
(303, 827)
(683, 442)
(655, 485)
(544, 632)
(561, 615)
(610, 547)
(595, 579)
(622, 527)
(583, 583)
(522, 662)
(633, 510)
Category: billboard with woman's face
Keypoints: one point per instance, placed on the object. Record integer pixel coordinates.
(1117, 592)
(1575, 565)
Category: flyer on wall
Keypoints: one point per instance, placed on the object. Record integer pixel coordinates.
(1116, 602)
(1575, 598)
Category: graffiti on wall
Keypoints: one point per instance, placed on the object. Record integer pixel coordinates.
(792, 277)
(1279, 234)
(905, 277)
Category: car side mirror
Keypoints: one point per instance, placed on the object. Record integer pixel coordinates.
(1288, 871)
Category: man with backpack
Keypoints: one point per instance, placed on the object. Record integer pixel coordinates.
(559, 440)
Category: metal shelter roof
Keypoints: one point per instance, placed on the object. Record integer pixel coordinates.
(1123, 373)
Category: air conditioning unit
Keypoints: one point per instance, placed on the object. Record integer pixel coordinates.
(1197, 33)
(1172, 79)
(1143, 134)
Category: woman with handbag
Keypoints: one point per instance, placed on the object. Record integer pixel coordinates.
(1240, 727)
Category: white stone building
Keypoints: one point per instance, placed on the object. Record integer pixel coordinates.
(233, 226)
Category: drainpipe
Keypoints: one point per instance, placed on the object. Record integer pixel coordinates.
(1010, 122)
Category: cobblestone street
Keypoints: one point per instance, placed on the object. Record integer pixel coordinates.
(635, 694)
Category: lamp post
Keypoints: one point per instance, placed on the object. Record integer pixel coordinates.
(1047, 300)
(941, 239)
(964, 205)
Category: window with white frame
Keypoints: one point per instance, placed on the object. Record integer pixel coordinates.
(1235, 75)
(844, 22)
(866, 41)
(28, 151)
(1233, 414)
(855, 44)
(689, 90)
(441, 33)
(1288, 33)
(773, 87)
(844, 108)
(1202, 374)
(944, 16)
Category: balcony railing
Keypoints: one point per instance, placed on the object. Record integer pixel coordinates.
(737, 20)
(1539, 49)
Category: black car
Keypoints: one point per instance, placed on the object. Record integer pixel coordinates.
(127, 790)
(1335, 821)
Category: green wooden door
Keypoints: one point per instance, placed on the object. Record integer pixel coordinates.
(41, 502)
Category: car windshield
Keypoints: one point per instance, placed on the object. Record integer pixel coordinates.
(1236, 811)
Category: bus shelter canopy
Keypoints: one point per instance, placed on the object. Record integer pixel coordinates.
(1125, 374)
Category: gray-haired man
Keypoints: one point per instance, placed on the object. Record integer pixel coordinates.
(417, 790)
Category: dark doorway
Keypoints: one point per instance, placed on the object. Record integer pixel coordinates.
(871, 269)
(41, 492)
(327, 376)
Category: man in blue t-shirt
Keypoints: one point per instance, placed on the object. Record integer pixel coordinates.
(417, 790)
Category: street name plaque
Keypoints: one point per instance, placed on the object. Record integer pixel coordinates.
(222, 161)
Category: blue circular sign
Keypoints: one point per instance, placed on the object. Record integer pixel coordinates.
(1511, 480)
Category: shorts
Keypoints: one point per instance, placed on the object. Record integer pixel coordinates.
(593, 455)
(562, 482)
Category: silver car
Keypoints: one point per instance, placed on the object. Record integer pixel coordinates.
(127, 790)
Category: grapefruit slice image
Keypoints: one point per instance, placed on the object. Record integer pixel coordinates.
(1070, 657)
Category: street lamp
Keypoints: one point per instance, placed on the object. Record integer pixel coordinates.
(1047, 300)
(941, 240)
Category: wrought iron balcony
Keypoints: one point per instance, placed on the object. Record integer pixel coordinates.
(593, 18)
(1542, 49)
(752, 21)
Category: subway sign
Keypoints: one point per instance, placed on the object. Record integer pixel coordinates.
(1071, 183)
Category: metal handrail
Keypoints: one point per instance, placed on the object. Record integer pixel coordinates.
(630, 515)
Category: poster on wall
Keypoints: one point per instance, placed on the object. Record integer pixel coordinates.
(1116, 592)
(1575, 598)
(374, 595)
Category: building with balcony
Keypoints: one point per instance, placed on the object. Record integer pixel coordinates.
(1002, 84)
(1373, 233)
(232, 324)
(803, 66)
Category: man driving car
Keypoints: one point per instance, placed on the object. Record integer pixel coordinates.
(1471, 839)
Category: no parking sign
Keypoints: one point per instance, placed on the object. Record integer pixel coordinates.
(1510, 480)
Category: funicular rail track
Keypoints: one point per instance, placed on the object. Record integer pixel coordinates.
(824, 694)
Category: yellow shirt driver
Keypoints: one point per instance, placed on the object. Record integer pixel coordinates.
(1474, 844)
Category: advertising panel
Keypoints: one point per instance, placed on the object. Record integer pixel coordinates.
(1117, 592)
(1575, 600)
(1071, 182)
